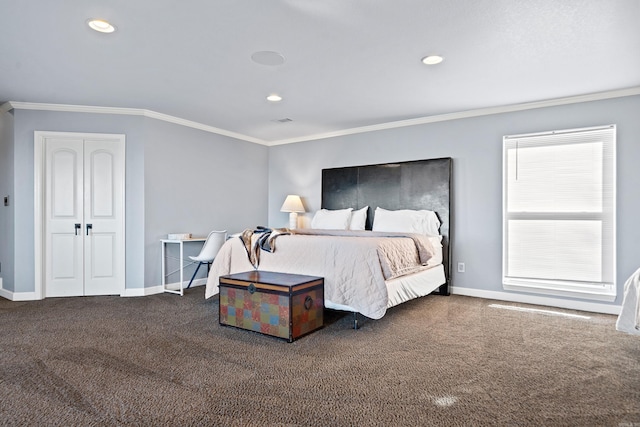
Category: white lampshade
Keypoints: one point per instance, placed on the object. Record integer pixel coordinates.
(293, 205)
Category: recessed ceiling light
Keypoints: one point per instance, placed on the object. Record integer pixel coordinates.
(274, 98)
(267, 57)
(432, 59)
(101, 25)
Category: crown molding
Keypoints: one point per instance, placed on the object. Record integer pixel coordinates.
(7, 106)
(203, 127)
(467, 114)
(126, 112)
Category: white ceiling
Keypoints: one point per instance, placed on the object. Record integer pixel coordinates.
(348, 63)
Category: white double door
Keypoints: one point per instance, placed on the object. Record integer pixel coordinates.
(84, 214)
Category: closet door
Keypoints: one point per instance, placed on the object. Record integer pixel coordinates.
(64, 217)
(84, 211)
(103, 217)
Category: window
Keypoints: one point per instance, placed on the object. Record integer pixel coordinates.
(559, 213)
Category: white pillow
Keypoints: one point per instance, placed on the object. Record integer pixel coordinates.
(358, 219)
(406, 221)
(326, 219)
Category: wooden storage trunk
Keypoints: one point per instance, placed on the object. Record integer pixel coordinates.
(280, 304)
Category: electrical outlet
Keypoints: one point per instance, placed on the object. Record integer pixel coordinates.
(461, 267)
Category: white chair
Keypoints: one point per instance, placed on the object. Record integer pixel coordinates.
(210, 249)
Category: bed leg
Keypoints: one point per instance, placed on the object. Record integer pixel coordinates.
(355, 320)
(443, 290)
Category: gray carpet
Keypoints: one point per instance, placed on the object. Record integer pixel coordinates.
(449, 361)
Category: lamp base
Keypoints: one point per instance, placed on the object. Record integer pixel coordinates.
(293, 220)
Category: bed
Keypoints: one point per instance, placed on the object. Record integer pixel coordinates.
(365, 271)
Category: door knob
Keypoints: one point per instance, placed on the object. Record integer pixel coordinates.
(89, 227)
(77, 227)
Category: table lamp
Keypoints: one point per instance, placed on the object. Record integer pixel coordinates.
(293, 205)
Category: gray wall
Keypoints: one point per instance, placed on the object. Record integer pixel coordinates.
(168, 168)
(196, 182)
(7, 235)
(475, 144)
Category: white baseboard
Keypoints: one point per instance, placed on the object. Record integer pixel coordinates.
(141, 292)
(129, 292)
(4, 293)
(17, 296)
(593, 307)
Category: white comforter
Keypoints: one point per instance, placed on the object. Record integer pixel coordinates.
(351, 266)
(629, 318)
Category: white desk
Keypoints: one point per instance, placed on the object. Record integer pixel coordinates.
(164, 274)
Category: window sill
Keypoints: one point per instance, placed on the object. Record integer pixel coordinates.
(540, 288)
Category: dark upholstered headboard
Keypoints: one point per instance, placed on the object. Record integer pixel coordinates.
(419, 184)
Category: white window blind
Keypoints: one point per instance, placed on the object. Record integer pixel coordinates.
(559, 212)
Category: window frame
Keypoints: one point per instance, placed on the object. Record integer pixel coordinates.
(604, 290)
